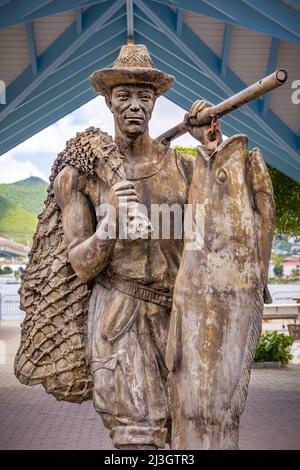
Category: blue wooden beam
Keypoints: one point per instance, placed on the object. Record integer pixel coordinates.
(32, 49)
(165, 53)
(96, 47)
(202, 56)
(187, 80)
(196, 6)
(238, 13)
(23, 11)
(4, 2)
(57, 53)
(179, 16)
(279, 12)
(17, 10)
(61, 82)
(59, 99)
(130, 20)
(272, 62)
(226, 49)
(78, 13)
(53, 116)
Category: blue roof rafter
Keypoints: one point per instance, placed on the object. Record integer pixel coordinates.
(78, 13)
(3, 2)
(59, 50)
(53, 116)
(208, 61)
(226, 49)
(77, 85)
(22, 11)
(60, 84)
(272, 62)
(54, 104)
(192, 89)
(196, 7)
(32, 49)
(167, 50)
(98, 46)
(241, 15)
(19, 9)
(130, 20)
(279, 12)
(179, 16)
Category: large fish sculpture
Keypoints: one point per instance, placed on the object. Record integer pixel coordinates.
(219, 295)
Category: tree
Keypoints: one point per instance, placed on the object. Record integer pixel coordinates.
(278, 270)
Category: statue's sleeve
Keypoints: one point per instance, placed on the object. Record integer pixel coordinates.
(89, 253)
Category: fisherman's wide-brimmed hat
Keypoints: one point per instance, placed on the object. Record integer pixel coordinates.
(133, 66)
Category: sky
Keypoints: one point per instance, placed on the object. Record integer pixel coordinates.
(35, 156)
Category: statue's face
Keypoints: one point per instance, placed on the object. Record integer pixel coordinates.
(132, 106)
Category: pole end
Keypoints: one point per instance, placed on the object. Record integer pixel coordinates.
(281, 76)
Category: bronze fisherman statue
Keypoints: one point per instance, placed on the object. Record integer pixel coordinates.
(138, 369)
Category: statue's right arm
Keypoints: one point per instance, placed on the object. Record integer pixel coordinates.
(89, 251)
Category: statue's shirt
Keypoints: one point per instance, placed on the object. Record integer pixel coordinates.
(153, 261)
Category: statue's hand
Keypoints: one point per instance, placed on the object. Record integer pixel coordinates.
(123, 198)
(122, 193)
(198, 132)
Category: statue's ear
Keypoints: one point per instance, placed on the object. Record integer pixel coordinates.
(108, 101)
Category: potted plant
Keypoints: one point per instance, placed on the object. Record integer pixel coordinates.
(273, 350)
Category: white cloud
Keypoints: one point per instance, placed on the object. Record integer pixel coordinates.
(13, 170)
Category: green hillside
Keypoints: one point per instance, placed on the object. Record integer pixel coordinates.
(20, 203)
(16, 223)
(28, 194)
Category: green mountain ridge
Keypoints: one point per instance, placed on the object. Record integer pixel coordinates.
(28, 194)
(20, 204)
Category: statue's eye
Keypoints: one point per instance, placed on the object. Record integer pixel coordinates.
(221, 176)
(145, 97)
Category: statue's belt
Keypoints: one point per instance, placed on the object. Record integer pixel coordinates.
(135, 289)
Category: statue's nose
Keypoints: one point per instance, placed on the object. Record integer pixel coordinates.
(134, 105)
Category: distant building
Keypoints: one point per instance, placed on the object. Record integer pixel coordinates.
(12, 254)
(290, 265)
(295, 249)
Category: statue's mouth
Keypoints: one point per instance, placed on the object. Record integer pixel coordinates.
(134, 119)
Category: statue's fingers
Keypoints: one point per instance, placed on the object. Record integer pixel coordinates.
(194, 108)
(126, 199)
(124, 184)
(126, 192)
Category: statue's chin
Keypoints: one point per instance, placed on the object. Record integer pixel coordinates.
(134, 130)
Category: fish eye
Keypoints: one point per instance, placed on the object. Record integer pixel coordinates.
(221, 176)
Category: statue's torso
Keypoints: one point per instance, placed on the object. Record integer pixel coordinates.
(153, 261)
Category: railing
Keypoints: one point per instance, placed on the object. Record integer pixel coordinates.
(9, 307)
(281, 297)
